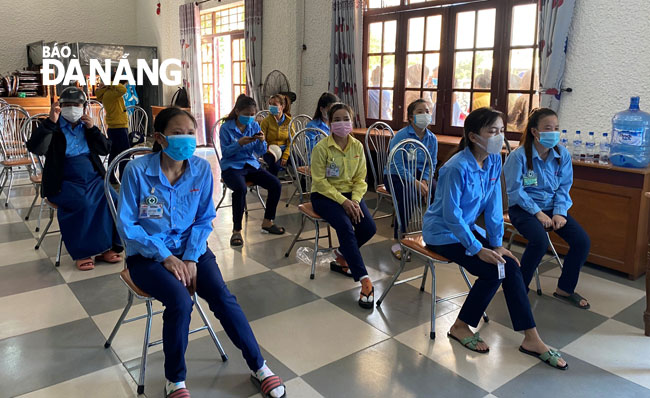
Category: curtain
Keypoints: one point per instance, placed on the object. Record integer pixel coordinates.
(253, 41)
(191, 64)
(346, 44)
(554, 22)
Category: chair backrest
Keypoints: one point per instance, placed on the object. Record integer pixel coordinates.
(122, 157)
(32, 123)
(215, 138)
(502, 179)
(404, 157)
(300, 155)
(138, 119)
(297, 123)
(98, 114)
(12, 140)
(377, 140)
(261, 115)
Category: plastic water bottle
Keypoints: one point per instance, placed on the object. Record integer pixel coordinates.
(630, 145)
(590, 147)
(306, 255)
(604, 149)
(578, 148)
(564, 139)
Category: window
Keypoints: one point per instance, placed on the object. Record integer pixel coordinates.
(460, 57)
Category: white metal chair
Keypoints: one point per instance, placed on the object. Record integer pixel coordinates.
(404, 156)
(224, 188)
(135, 292)
(300, 160)
(377, 140)
(138, 119)
(96, 111)
(36, 173)
(261, 115)
(13, 146)
(296, 124)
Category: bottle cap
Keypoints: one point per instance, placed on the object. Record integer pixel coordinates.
(634, 103)
(591, 133)
(577, 131)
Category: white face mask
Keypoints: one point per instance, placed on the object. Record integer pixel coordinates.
(494, 144)
(422, 120)
(72, 113)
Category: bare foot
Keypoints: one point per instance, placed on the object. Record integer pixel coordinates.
(461, 330)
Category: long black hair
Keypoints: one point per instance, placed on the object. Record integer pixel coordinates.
(411, 108)
(163, 118)
(474, 122)
(242, 102)
(324, 101)
(527, 140)
(337, 106)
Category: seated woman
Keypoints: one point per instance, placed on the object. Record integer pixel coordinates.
(539, 175)
(73, 179)
(276, 129)
(338, 170)
(241, 143)
(165, 214)
(468, 185)
(419, 117)
(320, 117)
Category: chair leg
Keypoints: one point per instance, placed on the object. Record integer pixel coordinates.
(486, 318)
(295, 191)
(329, 236)
(3, 179)
(40, 215)
(32, 206)
(11, 183)
(295, 239)
(145, 348)
(58, 252)
(129, 303)
(313, 261)
(432, 333)
(379, 197)
(47, 228)
(259, 196)
(424, 278)
(539, 285)
(511, 239)
(557, 257)
(223, 196)
(402, 263)
(207, 324)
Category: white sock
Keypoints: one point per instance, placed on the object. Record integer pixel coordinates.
(171, 387)
(363, 277)
(264, 372)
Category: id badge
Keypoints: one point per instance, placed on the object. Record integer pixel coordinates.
(530, 179)
(332, 170)
(151, 210)
(502, 270)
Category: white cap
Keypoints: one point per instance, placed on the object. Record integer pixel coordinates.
(276, 151)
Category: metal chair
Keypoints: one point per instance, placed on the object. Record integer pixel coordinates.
(36, 173)
(135, 292)
(98, 114)
(12, 144)
(377, 140)
(138, 119)
(404, 156)
(261, 115)
(296, 124)
(513, 231)
(224, 188)
(300, 159)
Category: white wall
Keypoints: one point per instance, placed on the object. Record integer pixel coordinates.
(608, 58)
(94, 21)
(316, 59)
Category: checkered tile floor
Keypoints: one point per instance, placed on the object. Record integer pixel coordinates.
(53, 324)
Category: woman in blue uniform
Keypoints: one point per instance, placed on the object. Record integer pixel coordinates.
(539, 175)
(469, 185)
(73, 179)
(319, 120)
(165, 214)
(242, 142)
(419, 116)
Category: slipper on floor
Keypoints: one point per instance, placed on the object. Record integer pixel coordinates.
(85, 265)
(236, 240)
(269, 384)
(336, 267)
(109, 257)
(367, 301)
(273, 229)
(550, 357)
(470, 342)
(573, 299)
(180, 393)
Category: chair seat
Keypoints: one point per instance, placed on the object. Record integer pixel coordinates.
(308, 210)
(37, 179)
(416, 242)
(16, 162)
(381, 189)
(304, 170)
(125, 275)
(248, 183)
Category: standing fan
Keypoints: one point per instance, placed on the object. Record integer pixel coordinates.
(276, 83)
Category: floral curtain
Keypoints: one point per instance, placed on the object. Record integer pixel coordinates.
(346, 45)
(191, 64)
(253, 39)
(554, 22)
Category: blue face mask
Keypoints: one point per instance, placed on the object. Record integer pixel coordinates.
(245, 120)
(180, 147)
(549, 139)
(274, 110)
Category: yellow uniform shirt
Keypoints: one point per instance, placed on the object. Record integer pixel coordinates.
(111, 98)
(335, 171)
(277, 135)
(481, 100)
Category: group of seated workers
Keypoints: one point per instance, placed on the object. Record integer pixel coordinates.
(165, 211)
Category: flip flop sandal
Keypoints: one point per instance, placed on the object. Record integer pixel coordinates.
(180, 393)
(550, 357)
(236, 240)
(269, 384)
(470, 342)
(114, 257)
(273, 229)
(336, 267)
(573, 299)
(369, 301)
(85, 265)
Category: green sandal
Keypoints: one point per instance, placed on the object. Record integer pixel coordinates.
(550, 357)
(470, 342)
(573, 299)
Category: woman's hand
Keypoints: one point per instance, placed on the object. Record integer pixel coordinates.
(191, 268)
(490, 256)
(87, 121)
(424, 188)
(558, 221)
(177, 267)
(246, 140)
(55, 111)
(259, 136)
(506, 253)
(353, 210)
(544, 219)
